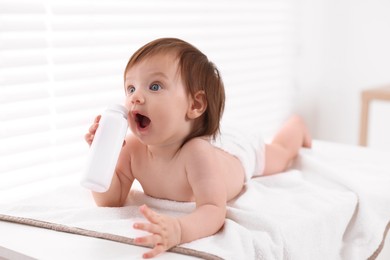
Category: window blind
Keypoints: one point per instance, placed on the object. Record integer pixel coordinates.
(61, 64)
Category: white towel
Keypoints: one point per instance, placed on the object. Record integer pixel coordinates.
(333, 205)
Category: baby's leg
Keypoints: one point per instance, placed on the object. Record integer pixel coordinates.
(284, 147)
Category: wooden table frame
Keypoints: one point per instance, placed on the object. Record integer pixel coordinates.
(382, 93)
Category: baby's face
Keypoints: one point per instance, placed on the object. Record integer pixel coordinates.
(157, 100)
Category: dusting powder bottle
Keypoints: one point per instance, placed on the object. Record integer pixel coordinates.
(105, 149)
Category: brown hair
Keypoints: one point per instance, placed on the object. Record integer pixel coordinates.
(198, 74)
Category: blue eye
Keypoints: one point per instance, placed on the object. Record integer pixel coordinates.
(130, 89)
(155, 87)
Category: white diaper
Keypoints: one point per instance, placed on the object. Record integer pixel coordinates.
(249, 149)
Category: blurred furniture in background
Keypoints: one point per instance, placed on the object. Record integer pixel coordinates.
(382, 93)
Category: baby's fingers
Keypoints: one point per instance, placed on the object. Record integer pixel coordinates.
(95, 125)
(153, 241)
(155, 251)
(151, 228)
(149, 214)
(89, 138)
(97, 119)
(92, 130)
(91, 133)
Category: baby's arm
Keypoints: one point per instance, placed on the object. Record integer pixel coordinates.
(121, 183)
(207, 183)
(205, 177)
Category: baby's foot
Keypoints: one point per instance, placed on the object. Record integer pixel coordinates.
(306, 134)
(306, 139)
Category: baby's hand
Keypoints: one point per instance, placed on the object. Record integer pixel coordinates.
(92, 130)
(165, 232)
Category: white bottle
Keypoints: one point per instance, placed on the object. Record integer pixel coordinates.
(105, 149)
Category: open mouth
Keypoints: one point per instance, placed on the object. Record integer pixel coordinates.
(142, 121)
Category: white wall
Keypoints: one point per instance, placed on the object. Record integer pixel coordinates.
(343, 47)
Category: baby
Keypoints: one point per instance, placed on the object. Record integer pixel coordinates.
(175, 97)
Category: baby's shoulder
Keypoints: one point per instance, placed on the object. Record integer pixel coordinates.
(200, 158)
(198, 146)
(197, 142)
(132, 144)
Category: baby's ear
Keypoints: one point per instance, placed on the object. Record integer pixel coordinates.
(198, 105)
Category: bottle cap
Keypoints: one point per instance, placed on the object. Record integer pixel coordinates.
(119, 108)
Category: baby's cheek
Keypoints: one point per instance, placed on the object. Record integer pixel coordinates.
(132, 124)
(127, 102)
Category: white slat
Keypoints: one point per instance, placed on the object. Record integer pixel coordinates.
(62, 61)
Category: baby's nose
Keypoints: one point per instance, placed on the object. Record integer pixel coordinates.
(137, 98)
